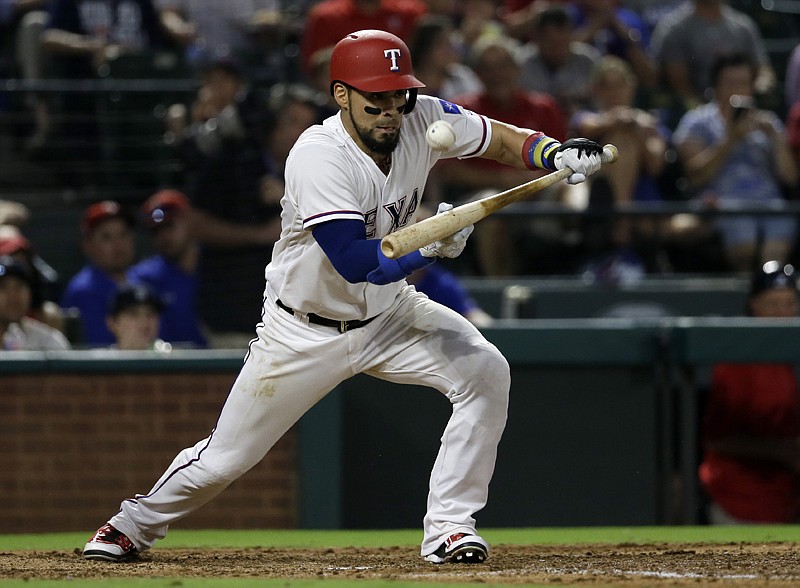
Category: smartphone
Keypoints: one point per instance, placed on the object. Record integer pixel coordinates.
(741, 104)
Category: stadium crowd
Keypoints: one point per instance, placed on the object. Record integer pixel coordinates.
(108, 104)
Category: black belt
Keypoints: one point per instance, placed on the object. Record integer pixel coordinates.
(341, 326)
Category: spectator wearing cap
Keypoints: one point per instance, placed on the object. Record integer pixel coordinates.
(45, 279)
(18, 331)
(134, 316)
(172, 271)
(109, 247)
(750, 470)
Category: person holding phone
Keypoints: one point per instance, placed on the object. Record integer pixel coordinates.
(736, 155)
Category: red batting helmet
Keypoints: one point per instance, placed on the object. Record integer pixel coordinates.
(374, 61)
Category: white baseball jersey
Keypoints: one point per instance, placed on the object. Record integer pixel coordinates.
(329, 177)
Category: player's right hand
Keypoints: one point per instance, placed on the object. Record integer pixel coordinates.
(451, 246)
(582, 156)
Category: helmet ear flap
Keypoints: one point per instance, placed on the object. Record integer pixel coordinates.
(411, 101)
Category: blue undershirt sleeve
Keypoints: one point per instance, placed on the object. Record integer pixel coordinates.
(359, 259)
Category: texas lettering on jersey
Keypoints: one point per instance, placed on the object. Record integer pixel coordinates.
(400, 212)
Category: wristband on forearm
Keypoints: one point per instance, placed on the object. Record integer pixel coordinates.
(394, 270)
(539, 151)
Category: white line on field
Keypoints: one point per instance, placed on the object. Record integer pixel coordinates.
(688, 575)
(646, 573)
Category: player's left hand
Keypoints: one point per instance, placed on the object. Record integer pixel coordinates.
(582, 156)
(451, 246)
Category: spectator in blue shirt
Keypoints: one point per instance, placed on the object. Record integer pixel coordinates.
(172, 271)
(109, 246)
(615, 30)
(443, 286)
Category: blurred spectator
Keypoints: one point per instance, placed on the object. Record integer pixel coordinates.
(211, 30)
(652, 11)
(133, 317)
(86, 39)
(736, 154)
(437, 62)
(85, 34)
(13, 213)
(172, 272)
(688, 41)
(555, 64)
(109, 247)
(222, 146)
(793, 131)
(634, 176)
(478, 19)
(518, 16)
(18, 331)
(614, 30)
(495, 62)
(21, 25)
(616, 120)
(294, 108)
(319, 78)
(504, 246)
(750, 469)
(44, 280)
(791, 82)
(256, 33)
(331, 20)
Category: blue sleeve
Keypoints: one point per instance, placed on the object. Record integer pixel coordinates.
(359, 259)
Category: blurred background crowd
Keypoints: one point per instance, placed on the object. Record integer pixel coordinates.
(142, 145)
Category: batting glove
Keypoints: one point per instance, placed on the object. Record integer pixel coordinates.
(451, 246)
(582, 156)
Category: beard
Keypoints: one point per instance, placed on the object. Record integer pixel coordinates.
(385, 145)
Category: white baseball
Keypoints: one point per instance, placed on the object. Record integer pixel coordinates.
(440, 135)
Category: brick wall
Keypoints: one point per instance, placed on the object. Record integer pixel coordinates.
(73, 446)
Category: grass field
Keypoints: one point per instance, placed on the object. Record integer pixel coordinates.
(11, 545)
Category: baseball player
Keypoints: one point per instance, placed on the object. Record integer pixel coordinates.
(335, 306)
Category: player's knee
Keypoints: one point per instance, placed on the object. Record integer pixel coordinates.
(491, 374)
(494, 363)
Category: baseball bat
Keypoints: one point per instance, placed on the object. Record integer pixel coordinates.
(439, 226)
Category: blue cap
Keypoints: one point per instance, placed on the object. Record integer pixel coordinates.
(134, 295)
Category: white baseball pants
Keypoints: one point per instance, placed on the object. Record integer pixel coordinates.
(292, 365)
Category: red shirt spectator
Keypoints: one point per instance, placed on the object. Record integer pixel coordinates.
(531, 110)
(751, 427)
(761, 400)
(331, 20)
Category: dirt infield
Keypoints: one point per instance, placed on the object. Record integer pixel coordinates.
(677, 565)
